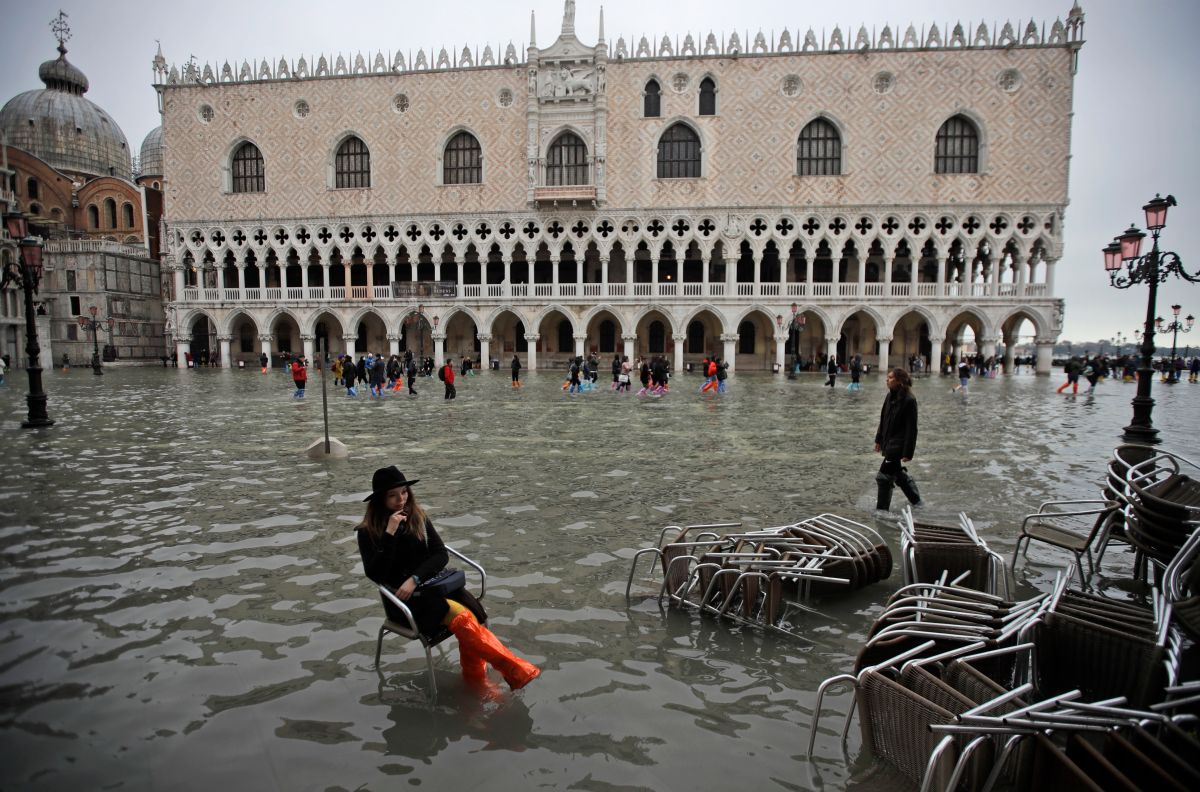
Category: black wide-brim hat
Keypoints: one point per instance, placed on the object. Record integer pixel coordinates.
(385, 479)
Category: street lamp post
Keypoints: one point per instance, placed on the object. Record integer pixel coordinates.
(94, 324)
(1175, 328)
(795, 328)
(1119, 343)
(1127, 267)
(25, 274)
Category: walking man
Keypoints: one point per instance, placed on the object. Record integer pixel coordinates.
(446, 375)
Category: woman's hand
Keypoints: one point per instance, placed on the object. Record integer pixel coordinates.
(395, 521)
(406, 590)
(877, 448)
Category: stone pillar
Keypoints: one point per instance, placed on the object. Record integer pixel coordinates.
(264, 344)
(780, 348)
(831, 343)
(531, 340)
(224, 342)
(553, 273)
(580, 340)
(241, 268)
(729, 349)
(1049, 265)
(183, 346)
(940, 350)
(304, 276)
(757, 257)
(307, 341)
(604, 276)
(885, 351)
(629, 340)
(350, 342)
(179, 284)
(439, 349)
(393, 344)
(485, 352)
(1010, 341)
(987, 347)
(1045, 356)
(677, 365)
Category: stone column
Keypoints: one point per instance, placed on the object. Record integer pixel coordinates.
(393, 344)
(183, 345)
(485, 352)
(1045, 356)
(831, 343)
(531, 339)
(349, 341)
(677, 365)
(729, 349)
(304, 276)
(264, 344)
(307, 341)
(1010, 341)
(757, 258)
(179, 285)
(885, 351)
(553, 274)
(780, 348)
(1049, 265)
(439, 349)
(987, 347)
(506, 259)
(629, 340)
(224, 342)
(604, 276)
(940, 350)
(580, 340)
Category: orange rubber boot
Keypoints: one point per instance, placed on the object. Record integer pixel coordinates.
(479, 642)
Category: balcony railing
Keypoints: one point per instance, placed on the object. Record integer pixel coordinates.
(613, 291)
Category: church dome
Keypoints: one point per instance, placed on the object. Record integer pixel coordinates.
(62, 128)
(151, 158)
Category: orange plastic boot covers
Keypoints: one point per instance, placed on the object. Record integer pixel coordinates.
(476, 641)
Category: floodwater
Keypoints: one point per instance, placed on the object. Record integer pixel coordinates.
(183, 605)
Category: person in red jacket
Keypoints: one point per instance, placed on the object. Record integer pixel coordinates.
(300, 377)
(446, 375)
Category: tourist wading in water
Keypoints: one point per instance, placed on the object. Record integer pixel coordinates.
(896, 439)
(400, 548)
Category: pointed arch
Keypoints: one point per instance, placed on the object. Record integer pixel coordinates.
(881, 325)
(680, 151)
(244, 168)
(460, 157)
(349, 162)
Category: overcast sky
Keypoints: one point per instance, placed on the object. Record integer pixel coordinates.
(1136, 109)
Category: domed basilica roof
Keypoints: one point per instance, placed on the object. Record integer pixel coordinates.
(151, 158)
(58, 125)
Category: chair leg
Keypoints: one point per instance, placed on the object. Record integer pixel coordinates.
(378, 646)
(429, 664)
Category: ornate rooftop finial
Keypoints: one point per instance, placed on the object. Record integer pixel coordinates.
(532, 30)
(601, 41)
(568, 27)
(61, 30)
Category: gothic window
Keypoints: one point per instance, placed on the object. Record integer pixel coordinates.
(31, 189)
(352, 165)
(93, 215)
(708, 97)
(652, 103)
(746, 333)
(110, 213)
(127, 215)
(249, 175)
(566, 162)
(462, 161)
(957, 148)
(819, 151)
(679, 153)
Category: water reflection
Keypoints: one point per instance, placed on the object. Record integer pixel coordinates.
(182, 598)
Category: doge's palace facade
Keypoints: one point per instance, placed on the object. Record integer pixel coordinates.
(872, 193)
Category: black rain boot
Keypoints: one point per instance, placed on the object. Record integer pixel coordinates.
(886, 484)
(908, 487)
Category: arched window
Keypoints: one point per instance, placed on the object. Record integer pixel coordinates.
(746, 334)
(110, 213)
(462, 161)
(249, 174)
(93, 216)
(819, 151)
(695, 337)
(652, 103)
(566, 162)
(656, 343)
(957, 148)
(352, 165)
(566, 342)
(679, 153)
(127, 215)
(708, 97)
(31, 189)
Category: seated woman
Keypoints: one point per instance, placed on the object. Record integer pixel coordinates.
(400, 548)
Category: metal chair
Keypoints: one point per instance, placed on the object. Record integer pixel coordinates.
(408, 629)
(1072, 525)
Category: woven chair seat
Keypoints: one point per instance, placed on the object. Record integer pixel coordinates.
(895, 725)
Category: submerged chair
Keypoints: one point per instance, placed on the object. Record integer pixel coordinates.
(408, 628)
(1072, 525)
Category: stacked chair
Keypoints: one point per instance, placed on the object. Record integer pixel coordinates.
(763, 577)
(1163, 505)
(929, 549)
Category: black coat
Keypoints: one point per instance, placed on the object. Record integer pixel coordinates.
(897, 433)
(400, 556)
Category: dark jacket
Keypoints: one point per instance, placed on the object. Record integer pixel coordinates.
(397, 558)
(897, 433)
